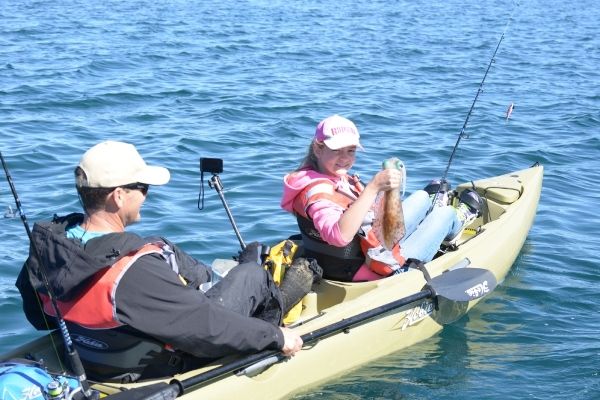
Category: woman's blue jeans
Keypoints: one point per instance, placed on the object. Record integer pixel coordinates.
(425, 232)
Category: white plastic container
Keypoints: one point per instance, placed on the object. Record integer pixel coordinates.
(220, 267)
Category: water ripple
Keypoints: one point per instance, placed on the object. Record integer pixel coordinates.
(248, 81)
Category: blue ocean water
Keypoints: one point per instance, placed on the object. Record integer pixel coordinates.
(247, 81)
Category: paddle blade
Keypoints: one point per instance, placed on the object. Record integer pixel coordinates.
(454, 290)
(464, 284)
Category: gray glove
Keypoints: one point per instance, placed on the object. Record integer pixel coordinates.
(252, 253)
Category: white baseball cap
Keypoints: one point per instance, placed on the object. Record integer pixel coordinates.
(110, 164)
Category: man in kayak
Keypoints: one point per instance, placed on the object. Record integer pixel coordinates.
(335, 210)
(107, 280)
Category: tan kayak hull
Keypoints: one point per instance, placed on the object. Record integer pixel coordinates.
(512, 201)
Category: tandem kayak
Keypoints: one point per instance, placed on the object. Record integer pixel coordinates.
(345, 325)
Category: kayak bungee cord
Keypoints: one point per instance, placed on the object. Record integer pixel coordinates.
(443, 182)
(72, 354)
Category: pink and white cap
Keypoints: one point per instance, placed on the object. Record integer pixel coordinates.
(337, 132)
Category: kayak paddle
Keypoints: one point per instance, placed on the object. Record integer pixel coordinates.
(451, 292)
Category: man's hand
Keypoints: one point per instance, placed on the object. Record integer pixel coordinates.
(292, 342)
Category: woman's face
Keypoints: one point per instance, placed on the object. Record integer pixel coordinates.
(334, 162)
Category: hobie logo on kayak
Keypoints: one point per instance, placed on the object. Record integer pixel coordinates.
(478, 290)
(89, 342)
(417, 314)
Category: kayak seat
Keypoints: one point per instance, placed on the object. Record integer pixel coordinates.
(505, 189)
(123, 355)
(330, 293)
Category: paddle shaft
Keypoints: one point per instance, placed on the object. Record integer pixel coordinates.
(459, 284)
(340, 326)
(215, 182)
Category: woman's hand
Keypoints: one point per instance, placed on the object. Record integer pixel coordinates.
(351, 220)
(386, 179)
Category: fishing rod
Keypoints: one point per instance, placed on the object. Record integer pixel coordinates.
(462, 133)
(72, 354)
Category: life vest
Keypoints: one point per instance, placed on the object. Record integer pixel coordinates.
(95, 306)
(340, 263)
(110, 350)
(376, 253)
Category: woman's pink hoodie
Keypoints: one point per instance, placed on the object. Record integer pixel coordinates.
(325, 214)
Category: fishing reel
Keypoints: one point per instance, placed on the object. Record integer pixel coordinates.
(440, 191)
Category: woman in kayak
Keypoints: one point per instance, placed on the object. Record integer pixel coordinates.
(335, 211)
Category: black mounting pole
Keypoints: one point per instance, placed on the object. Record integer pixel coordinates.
(215, 183)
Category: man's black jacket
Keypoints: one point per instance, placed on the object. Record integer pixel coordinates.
(150, 297)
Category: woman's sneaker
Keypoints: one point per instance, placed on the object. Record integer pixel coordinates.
(468, 209)
(439, 192)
